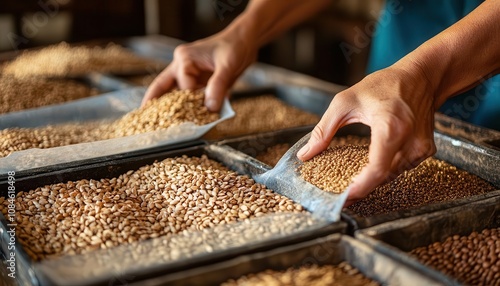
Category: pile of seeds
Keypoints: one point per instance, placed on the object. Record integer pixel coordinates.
(171, 109)
(63, 60)
(261, 114)
(342, 274)
(186, 244)
(430, 182)
(473, 259)
(19, 94)
(334, 169)
(160, 199)
(273, 154)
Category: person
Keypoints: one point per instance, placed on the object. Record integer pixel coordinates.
(426, 53)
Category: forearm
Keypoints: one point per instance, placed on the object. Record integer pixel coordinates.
(263, 20)
(461, 56)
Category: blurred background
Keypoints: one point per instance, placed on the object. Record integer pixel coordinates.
(327, 47)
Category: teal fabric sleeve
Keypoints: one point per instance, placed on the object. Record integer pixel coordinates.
(406, 24)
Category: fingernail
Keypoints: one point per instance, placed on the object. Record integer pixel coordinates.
(211, 104)
(303, 150)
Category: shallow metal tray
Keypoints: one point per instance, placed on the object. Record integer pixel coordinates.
(487, 138)
(397, 237)
(470, 157)
(55, 272)
(331, 249)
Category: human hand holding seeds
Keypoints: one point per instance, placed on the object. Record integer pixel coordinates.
(396, 107)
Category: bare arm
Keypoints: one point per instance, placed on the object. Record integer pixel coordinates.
(216, 62)
(399, 102)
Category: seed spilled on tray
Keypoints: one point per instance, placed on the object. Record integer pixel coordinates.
(171, 109)
(19, 94)
(430, 182)
(161, 199)
(260, 114)
(64, 60)
(472, 259)
(310, 275)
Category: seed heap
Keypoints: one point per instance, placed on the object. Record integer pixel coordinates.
(160, 199)
(63, 60)
(473, 259)
(171, 109)
(430, 182)
(18, 94)
(261, 114)
(342, 274)
(334, 168)
(273, 154)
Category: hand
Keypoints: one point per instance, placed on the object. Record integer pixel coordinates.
(215, 62)
(399, 108)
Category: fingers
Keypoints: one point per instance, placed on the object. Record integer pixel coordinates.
(337, 115)
(388, 138)
(161, 84)
(217, 88)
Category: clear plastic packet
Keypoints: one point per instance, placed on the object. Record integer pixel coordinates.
(105, 107)
(285, 179)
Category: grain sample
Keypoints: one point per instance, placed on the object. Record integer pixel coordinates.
(161, 199)
(63, 60)
(273, 154)
(19, 94)
(311, 275)
(171, 109)
(261, 114)
(430, 182)
(333, 169)
(472, 259)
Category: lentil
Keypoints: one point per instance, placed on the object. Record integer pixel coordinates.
(171, 109)
(260, 114)
(161, 199)
(472, 259)
(342, 274)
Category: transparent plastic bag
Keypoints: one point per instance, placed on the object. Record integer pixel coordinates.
(285, 179)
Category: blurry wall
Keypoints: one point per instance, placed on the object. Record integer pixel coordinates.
(26, 24)
(318, 47)
(326, 46)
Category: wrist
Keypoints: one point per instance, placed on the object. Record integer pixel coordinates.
(427, 69)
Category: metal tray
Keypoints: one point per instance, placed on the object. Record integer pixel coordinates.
(331, 249)
(131, 261)
(397, 237)
(487, 138)
(309, 100)
(477, 160)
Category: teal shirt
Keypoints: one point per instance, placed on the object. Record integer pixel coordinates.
(405, 24)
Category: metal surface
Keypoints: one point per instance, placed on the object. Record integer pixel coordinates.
(487, 138)
(326, 250)
(472, 158)
(116, 262)
(400, 236)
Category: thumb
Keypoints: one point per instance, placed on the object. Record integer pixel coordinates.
(322, 134)
(218, 87)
